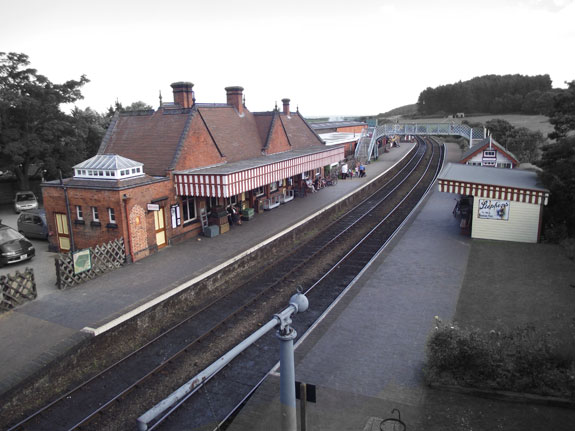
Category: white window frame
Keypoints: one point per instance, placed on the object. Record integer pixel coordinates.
(95, 215)
(186, 208)
(79, 212)
(273, 186)
(112, 215)
(489, 154)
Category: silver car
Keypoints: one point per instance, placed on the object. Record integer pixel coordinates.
(25, 201)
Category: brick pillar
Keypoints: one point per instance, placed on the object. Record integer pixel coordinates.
(286, 106)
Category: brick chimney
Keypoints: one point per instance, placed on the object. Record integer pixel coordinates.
(286, 106)
(234, 96)
(183, 94)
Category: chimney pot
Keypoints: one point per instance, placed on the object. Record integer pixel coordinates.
(286, 106)
(183, 94)
(235, 98)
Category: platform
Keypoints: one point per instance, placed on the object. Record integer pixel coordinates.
(34, 334)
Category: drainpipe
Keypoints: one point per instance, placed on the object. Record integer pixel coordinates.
(72, 246)
(130, 257)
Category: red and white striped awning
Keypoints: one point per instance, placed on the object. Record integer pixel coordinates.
(487, 191)
(211, 183)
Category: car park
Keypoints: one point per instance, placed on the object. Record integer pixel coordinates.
(14, 247)
(25, 201)
(32, 224)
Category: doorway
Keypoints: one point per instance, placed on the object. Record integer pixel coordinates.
(160, 227)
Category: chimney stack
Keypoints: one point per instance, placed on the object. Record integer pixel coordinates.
(234, 98)
(183, 94)
(286, 106)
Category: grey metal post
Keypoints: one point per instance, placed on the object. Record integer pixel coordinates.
(287, 379)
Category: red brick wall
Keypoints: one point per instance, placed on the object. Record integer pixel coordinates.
(199, 149)
(278, 139)
(351, 129)
(142, 238)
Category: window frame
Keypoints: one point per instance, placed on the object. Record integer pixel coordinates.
(186, 208)
(95, 214)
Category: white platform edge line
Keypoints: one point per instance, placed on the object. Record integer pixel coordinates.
(117, 321)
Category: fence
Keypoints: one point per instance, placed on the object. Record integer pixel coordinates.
(104, 257)
(17, 289)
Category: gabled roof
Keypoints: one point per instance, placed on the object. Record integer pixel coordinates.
(299, 132)
(153, 138)
(108, 161)
(483, 145)
(237, 136)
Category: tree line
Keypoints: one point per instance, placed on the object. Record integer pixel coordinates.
(34, 130)
(495, 94)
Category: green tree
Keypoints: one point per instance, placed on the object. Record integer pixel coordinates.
(33, 129)
(558, 176)
(563, 113)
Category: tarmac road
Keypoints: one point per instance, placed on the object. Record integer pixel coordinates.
(42, 263)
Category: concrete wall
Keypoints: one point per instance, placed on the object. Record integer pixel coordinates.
(522, 225)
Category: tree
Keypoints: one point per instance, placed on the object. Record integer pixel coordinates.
(557, 163)
(563, 114)
(33, 129)
(558, 176)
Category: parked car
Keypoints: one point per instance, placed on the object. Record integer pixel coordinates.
(13, 246)
(32, 224)
(25, 201)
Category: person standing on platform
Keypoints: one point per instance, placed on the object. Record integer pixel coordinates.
(344, 171)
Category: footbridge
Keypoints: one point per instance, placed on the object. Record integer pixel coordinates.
(367, 149)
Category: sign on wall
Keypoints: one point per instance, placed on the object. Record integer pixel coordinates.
(493, 210)
(82, 261)
(153, 207)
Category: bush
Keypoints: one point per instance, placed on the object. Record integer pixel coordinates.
(519, 360)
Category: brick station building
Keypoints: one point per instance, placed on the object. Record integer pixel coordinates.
(162, 175)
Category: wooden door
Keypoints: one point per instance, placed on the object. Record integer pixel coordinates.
(160, 227)
(63, 233)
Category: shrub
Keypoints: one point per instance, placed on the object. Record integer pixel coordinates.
(519, 360)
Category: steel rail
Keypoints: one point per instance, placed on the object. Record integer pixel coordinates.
(171, 329)
(346, 257)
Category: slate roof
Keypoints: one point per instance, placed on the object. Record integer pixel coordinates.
(107, 184)
(155, 138)
(490, 176)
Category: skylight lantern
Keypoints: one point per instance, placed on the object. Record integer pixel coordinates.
(108, 167)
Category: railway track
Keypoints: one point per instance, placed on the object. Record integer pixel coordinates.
(323, 266)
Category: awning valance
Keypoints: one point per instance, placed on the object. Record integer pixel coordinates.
(209, 182)
(487, 191)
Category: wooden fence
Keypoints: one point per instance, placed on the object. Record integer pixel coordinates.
(104, 257)
(17, 289)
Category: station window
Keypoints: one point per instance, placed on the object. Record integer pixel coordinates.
(273, 186)
(260, 191)
(305, 175)
(95, 215)
(189, 208)
(79, 213)
(112, 215)
(489, 153)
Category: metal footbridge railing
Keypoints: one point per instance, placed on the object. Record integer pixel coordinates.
(428, 129)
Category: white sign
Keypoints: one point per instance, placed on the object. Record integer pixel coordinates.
(493, 210)
(153, 207)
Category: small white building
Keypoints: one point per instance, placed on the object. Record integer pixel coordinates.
(507, 204)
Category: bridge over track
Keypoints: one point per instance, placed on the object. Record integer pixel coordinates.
(367, 150)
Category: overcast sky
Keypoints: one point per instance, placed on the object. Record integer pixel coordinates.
(330, 57)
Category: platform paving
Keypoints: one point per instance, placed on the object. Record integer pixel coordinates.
(34, 334)
(366, 356)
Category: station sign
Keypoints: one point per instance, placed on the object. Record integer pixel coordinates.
(153, 207)
(494, 209)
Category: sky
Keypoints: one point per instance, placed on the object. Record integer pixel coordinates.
(330, 57)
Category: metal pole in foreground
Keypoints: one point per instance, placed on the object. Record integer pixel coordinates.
(286, 335)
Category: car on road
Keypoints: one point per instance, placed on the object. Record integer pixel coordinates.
(13, 246)
(25, 201)
(32, 224)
